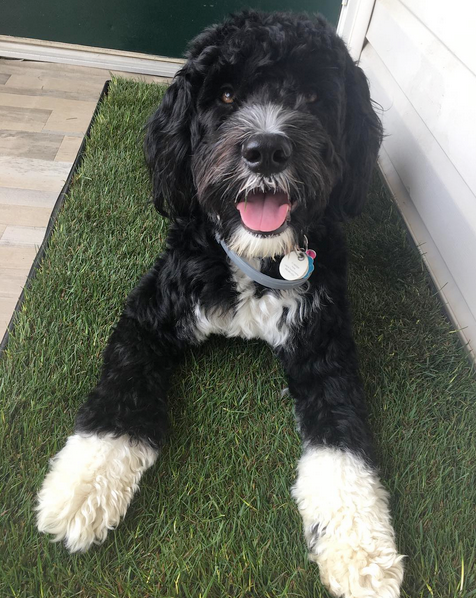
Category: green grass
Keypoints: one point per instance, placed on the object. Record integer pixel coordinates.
(215, 517)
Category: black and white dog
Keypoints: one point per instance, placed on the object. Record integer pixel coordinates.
(263, 143)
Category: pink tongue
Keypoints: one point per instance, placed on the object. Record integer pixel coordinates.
(264, 212)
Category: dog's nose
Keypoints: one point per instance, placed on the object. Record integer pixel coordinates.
(267, 153)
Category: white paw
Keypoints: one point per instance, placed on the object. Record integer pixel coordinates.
(347, 524)
(89, 486)
(355, 567)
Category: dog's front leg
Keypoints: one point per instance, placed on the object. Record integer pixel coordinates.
(343, 504)
(121, 426)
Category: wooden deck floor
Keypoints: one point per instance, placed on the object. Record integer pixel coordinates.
(45, 110)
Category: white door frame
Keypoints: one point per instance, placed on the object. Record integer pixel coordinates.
(102, 58)
(353, 24)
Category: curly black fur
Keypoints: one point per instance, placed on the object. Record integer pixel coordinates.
(192, 145)
(279, 58)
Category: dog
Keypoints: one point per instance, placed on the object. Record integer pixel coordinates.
(264, 143)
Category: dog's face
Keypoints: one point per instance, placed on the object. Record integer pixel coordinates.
(268, 125)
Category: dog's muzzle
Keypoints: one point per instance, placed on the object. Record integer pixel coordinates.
(266, 210)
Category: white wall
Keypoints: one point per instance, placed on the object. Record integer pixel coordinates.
(420, 58)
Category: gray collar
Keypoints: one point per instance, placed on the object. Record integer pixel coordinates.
(259, 277)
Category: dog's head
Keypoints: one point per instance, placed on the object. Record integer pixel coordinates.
(268, 125)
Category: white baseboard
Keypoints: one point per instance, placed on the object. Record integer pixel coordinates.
(103, 58)
(451, 296)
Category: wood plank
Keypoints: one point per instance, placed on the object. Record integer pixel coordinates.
(64, 115)
(28, 197)
(15, 118)
(29, 144)
(54, 93)
(69, 149)
(3, 326)
(17, 258)
(63, 133)
(24, 236)
(52, 69)
(44, 111)
(67, 121)
(30, 82)
(7, 306)
(23, 215)
(29, 173)
(47, 103)
(71, 72)
(45, 81)
(12, 282)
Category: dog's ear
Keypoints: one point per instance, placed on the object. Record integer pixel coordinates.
(168, 149)
(361, 138)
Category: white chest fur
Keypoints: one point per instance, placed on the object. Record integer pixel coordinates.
(271, 317)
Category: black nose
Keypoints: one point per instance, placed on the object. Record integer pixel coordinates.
(267, 153)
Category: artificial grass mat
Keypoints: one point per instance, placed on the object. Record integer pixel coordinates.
(214, 517)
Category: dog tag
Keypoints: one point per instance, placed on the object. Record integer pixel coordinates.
(294, 265)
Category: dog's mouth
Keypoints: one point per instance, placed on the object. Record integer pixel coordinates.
(265, 212)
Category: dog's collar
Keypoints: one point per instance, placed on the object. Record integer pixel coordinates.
(259, 277)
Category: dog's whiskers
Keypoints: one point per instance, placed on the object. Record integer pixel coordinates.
(262, 184)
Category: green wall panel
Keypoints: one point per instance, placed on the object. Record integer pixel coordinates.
(153, 26)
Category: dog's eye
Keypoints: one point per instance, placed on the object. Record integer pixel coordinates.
(310, 97)
(228, 95)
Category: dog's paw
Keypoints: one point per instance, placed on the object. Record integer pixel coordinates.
(89, 486)
(347, 525)
(353, 566)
